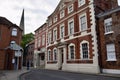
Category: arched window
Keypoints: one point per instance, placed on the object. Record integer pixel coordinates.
(49, 55)
(14, 32)
(84, 48)
(55, 54)
(71, 48)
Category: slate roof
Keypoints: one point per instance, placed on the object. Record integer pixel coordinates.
(108, 12)
(15, 47)
(5, 21)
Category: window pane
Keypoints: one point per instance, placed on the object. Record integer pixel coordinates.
(83, 23)
(111, 52)
(85, 51)
(14, 32)
(108, 25)
(71, 27)
(72, 52)
(62, 31)
(55, 54)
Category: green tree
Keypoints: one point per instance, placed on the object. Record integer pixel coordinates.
(26, 39)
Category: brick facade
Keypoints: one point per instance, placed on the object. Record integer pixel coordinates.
(30, 53)
(66, 20)
(6, 55)
(113, 38)
(40, 46)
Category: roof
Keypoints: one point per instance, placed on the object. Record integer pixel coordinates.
(5, 21)
(41, 27)
(32, 42)
(15, 47)
(108, 12)
(58, 6)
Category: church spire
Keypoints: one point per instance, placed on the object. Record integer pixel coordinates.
(22, 22)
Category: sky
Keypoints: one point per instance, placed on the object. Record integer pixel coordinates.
(36, 11)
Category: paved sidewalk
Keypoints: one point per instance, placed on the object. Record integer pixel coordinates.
(12, 74)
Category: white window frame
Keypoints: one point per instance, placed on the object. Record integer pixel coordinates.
(70, 8)
(111, 55)
(72, 20)
(69, 55)
(49, 55)
(54, 38)
(62, 25)
(54, 54)
(81, 51)
(62, 13)
(80, 25)
(14, 32)
(108, 23)
(81, 2)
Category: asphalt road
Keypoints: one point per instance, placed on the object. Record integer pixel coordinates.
(61, 75)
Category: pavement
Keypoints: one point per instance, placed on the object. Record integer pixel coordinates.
(12, 74)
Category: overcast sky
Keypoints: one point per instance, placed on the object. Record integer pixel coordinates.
(36, 11)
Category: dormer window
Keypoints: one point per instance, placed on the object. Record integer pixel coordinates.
(14, 32)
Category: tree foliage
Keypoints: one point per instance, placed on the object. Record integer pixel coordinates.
(26, 39)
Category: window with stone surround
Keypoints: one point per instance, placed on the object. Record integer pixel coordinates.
(62, 31)
(50, 22)
(54, 54)
(108, 26)
(70, 8)
(49, 55)
(71, 27)
(55, 34)
(55, 19)
(84, 47)
(49, 37)
(62, 13)
(83, 22)
(81, 2)
(111, 56)
(71, 51)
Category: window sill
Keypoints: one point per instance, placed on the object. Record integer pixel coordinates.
(111, 60)
(109, 33)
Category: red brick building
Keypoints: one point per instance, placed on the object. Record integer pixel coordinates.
(30, 53)
(109, 40)
(71, 35)
(40, 46)
(10, 51)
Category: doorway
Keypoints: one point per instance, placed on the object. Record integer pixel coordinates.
(61, 58)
